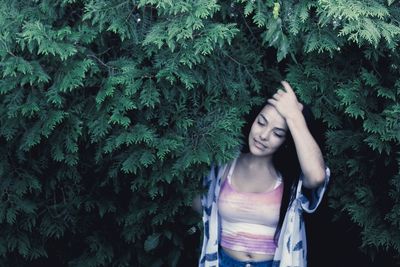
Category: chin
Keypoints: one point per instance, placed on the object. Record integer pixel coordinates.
(257, 152)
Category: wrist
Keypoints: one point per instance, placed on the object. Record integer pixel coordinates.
(295, 115)
(295, 120)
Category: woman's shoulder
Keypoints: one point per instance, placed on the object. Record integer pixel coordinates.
(225, 169)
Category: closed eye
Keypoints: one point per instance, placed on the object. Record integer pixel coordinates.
(260, 122)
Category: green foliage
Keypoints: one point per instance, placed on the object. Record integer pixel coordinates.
(112, 111)
(109, 118)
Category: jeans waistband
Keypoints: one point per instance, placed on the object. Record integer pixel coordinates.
(227, 261)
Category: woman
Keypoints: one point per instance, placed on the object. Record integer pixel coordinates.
(252, 212)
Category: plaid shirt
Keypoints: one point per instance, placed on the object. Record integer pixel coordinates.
(291, 250)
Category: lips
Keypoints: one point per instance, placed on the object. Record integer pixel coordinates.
(259, 145)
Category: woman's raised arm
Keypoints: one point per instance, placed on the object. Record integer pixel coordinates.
(310, 156)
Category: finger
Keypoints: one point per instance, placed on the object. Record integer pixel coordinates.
(287, 87)
(280, 92)
(272, 101)
(276, 96)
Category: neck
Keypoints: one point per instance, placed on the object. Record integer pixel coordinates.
(258, 163)
(258, 168)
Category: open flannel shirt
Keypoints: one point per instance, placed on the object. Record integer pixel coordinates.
(291, 248)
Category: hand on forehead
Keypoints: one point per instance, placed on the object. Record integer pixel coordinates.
(285, 101)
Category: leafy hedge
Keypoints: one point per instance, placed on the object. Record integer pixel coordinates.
(111, 111)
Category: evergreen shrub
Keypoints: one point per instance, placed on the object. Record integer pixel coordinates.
(111, 112)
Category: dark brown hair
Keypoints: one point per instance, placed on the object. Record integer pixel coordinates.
(285, 159)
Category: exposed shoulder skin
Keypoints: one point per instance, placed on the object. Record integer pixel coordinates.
(225, 174)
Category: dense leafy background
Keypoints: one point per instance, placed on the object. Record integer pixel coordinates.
(111, 112)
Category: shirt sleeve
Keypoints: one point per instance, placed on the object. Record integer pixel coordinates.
(311, 198)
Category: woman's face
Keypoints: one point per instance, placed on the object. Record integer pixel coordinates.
(268, 132)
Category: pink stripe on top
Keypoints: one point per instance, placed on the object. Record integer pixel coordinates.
(249, 220)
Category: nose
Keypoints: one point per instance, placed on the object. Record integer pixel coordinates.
(264, 135)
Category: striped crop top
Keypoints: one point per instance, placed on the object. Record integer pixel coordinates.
(249, 220)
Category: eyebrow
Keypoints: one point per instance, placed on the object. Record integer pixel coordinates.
(277, 128)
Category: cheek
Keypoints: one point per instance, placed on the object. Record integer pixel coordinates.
(279, 141)
(253, 130)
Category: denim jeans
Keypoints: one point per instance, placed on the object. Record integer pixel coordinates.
(227, 261)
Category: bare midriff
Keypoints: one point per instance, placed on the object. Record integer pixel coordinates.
(245, 256)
